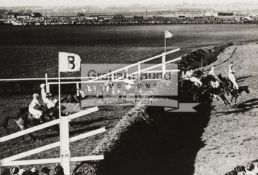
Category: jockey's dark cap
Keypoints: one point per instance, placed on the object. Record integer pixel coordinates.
(45, 170)
(15, 170)
(250, 166)
(27, 173)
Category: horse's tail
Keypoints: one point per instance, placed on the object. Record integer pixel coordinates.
(5, 123)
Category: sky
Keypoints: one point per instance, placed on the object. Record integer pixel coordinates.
(104, 3)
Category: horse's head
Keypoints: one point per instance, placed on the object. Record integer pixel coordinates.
(207, 79)
(198, 73)
(221, 78)
(244, 88)
(42, 108)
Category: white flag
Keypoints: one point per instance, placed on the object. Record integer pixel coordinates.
(168, 34)
(69, 62)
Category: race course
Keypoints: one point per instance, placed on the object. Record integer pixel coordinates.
(231, 137)
(213, 145)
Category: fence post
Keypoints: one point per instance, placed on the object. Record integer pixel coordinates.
(47, 85)
(163, 65)
(139, 69)
(64, 133)
(77, 89)
(64, 148)
(126, 73)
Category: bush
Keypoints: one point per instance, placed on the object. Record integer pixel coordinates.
(201, 57)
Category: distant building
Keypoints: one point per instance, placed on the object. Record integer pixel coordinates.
(91, 18)
(11, 15)
(14, 22)
(36, 15)
(3, 11)
(227, 14)
(23, 16)
(187, 13)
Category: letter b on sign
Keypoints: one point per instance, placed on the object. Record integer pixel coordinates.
(71, 64)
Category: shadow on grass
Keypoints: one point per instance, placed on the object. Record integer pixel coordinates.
(249, 104)
(89, 122)
(74, 132)
(241, 79)
(86, 122)
(242, 107)
(168, 145)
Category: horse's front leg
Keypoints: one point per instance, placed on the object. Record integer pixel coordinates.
(20, 122)
(26, 127)
(236, 98)
(23, 125)
(232, 97)
(226, 100)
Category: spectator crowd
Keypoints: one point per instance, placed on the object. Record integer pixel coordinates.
(39, 20)
(58, 170)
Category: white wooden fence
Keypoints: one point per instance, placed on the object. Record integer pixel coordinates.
(89, 80)
(13, 160)
(63, 121)
(54, 81)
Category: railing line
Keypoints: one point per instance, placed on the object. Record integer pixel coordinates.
(135, 64)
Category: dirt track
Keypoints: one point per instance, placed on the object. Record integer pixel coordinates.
(231, 136)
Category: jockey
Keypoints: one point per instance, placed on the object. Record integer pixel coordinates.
(108, 86)
(46, 100)
(214, 84)
(196, 81)
(211, 72)
(33, 107)
(189, 76)
(231, 76)
(79, 95)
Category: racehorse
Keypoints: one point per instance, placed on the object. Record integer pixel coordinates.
(209, 90)
(73, 97)
(188, 91)
(204, 92)
(235, 93)
(25, 120)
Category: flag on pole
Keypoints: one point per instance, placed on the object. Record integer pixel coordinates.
(69, 62)
(168, 34)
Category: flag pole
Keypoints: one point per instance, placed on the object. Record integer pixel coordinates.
(64, 131)
(165, 44)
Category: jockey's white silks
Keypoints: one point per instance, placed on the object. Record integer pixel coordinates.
(214, 84)
(81, 93)
(32, 107)
(211, 72)
(189, 76)
(231, 76)
(46, 100)
(196, 81)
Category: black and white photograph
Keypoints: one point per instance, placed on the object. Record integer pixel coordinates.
(136, 87)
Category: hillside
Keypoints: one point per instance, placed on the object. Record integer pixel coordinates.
(231, 136)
